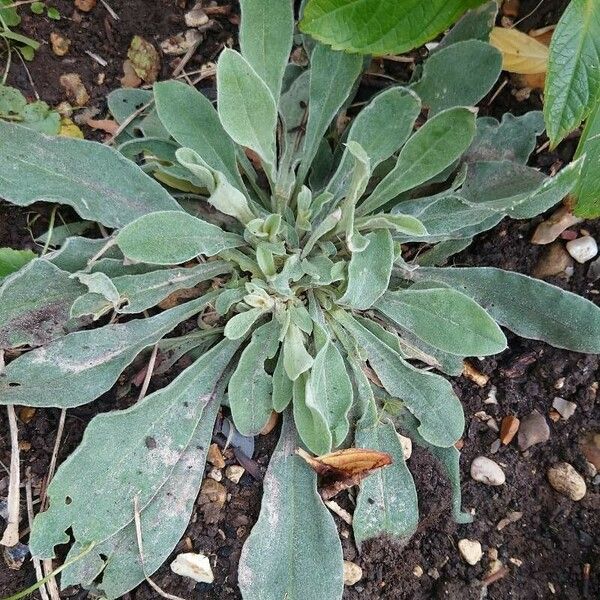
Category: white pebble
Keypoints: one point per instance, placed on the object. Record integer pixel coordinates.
(406, 443)
(470, 550)
(234, 473)
(194, 566)
(564, 408)
(352, 573)
(487, 471)
(567, 481)
(583, 249)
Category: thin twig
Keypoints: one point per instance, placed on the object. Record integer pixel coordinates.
(127, 121)
(149, 372)
(50, 578)
(52, 467)
(109, 9)
(11, 533)
(37, 565)
(96, 58)
(138, 535)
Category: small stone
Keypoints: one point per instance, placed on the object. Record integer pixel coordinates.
(352, 573)
(494, 566)
(406, 444)
(567, 481)
(14, 556)
(64, 109)
(214, 457)
(560, 383)
(533, 430)
(508, 429)
(511, 517)
(179, 44)
(495, 446)
(418, 571)
(60, 44)
(196, 17)
(433, 573)
(486, 471)
(234, 473)
(470, 550)
(85, 5)
(547, 231)
(564, 407)
(194, 566)
(215, 474)
(491, 397)
(516, 561)
(212, 492)
(26, 413)
(583, 249)
(73, 86)
(555, 261)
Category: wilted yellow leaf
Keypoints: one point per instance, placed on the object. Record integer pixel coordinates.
(69, 129)
(521, 53)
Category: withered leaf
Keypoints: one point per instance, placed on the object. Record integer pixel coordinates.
(343, 469)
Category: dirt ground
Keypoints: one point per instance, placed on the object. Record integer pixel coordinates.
(544, 552)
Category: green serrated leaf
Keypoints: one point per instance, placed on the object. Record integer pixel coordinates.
(172, 237)
(132, 452)
(12, 260)
(387, 501)
(251, 388)
(529, 307)
(446, 319)
(380, 26)
(587, 190)
(573, 78)
(81, 366)
(36, 302)
(293, 551)
(95, 180)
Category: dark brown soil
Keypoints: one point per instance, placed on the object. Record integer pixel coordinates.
(555, 537)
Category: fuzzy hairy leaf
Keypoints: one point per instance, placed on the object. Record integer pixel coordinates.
(469, 69)
(246, 106)
(325, 100)
(170, 238)
(79, 367)
(449, 459)
(191, 119)
(127, 454)
(427, 153)
(163, 522)
(381, 128)
(529, 307)
(429, 397)
(12, 260)
(36, 302)
(296, 359)
(293, 551)
(266, 35)
(329, 393)
(387, 501)
(99, 183)
(446, 319)
(282, 386)
(475, 24)
(369, 271)
(142, 291)
(251, 387)
(380, 26)
(573, 79)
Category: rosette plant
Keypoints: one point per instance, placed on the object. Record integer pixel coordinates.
(324, 241)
